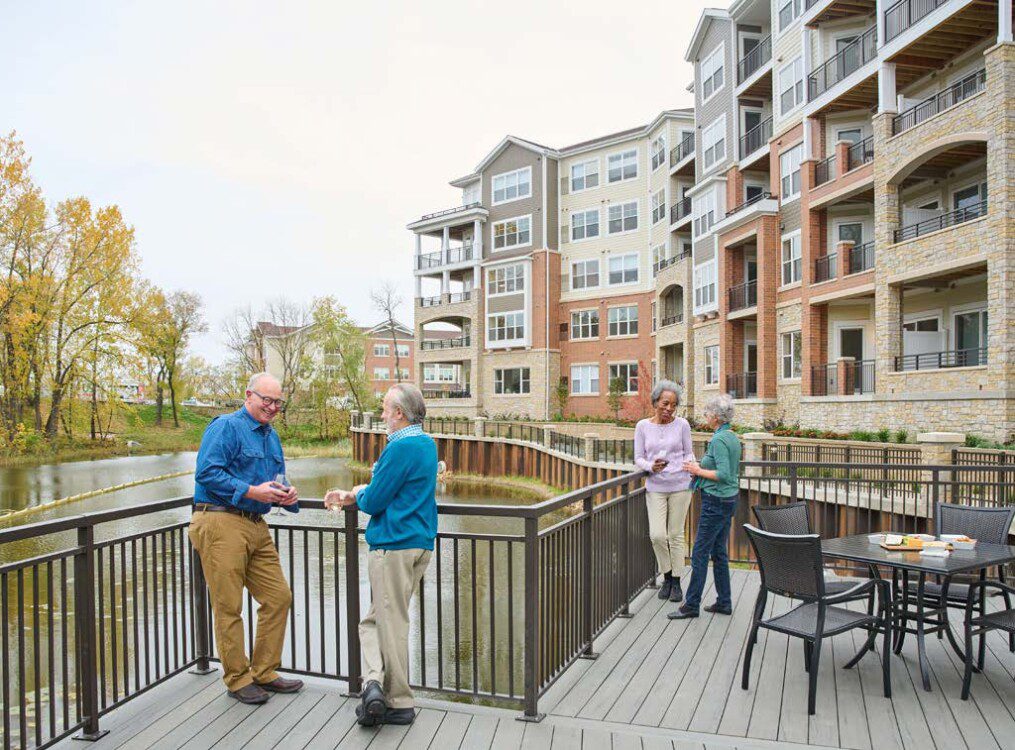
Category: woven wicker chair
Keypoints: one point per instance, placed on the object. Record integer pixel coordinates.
(795, 518)
(979, 623)
(791, 565)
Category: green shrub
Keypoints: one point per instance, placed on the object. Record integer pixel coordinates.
(883, 435)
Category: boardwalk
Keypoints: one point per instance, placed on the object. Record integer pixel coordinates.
(656, 684)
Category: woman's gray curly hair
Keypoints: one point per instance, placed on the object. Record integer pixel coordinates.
(666, 385)
(720, 407)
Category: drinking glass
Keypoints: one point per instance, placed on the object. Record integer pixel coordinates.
(283, 483)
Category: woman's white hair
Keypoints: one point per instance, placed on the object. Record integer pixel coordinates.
(720, 407)
(666, 385)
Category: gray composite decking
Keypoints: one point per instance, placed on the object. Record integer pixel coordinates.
(656, 684)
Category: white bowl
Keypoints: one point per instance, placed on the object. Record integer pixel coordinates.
(951, 537)
(924, 537)
(876, 538)
(964, 545)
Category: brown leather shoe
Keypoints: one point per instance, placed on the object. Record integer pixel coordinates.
(282, 685)
(250, 694)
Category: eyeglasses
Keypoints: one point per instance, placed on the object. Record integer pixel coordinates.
(269, 401)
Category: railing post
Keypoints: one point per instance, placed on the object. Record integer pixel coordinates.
(625, 552)
(201, 640)
(352, 613)
(532, 632)
(84, 617)
(588, 505)
(792, 483)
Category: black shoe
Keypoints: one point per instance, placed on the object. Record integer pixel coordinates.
(716, 609)
(400, 716)
(372, 701)
(250, 694)
(682, 614)
(676, 593)
(364, 719)
(664, 590)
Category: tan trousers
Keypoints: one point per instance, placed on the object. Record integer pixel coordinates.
(384, 632)
(666, 515)
(236, 553)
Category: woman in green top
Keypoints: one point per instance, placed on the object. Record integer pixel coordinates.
(718, 478)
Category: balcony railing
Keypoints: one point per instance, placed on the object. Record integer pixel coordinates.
(743, 296)
(825, 380)
(843, 63)
(452, 255)
(824, 171)
(957, 92)
(449, 211)
(459, 297)
(860, 153)
(662, 263)
(742, 384)
(672, 318)
(682, 150)
(905, 13)
(755, 138)
(430, 301)
(764, 195)
(443, 393)
(860, 377)
(445, 299)
(753, 60)
(824, 267)
(945, 220)
(860, 258)
(435, 344)
(680, 210)
(941, 360)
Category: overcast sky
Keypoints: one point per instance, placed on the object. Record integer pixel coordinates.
(280, 148)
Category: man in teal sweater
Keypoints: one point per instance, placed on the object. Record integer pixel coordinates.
(402, 505)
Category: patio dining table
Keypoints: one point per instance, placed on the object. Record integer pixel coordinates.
(927, 617)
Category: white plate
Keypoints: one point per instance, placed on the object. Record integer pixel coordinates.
(875, 538)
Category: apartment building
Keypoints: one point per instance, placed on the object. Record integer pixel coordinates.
(856, 155)
(546, 274)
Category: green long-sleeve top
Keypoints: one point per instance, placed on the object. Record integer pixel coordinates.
(723, 456)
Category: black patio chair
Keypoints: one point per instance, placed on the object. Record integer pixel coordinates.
(989, 525)
(791, 565)
(982, 624)
(795, 518)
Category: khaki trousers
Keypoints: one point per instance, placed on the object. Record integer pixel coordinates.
(667, 512)
(238, 553)
(384, 632)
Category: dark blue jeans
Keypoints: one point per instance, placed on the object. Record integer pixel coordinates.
(711, 540)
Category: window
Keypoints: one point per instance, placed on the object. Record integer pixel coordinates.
(704, 287)
(622, 166)
(470, 194)
(851, 232)
(710, 73)
(623, 217)
(585, 274)
(969, 197)
(440, 373)
(628, 373)
(382, 350)
(381, 373)
(505, 280)
(788, 12)
(711, 365)
(658, 254)
(584, 379)
(752, 192)
(791, 352)
(658, 152)
(624, 269)
(791, 86)
(403, 373)
(791, 259)
(971, 335)
(403, 350)
(585, 176)
(789, 170)
(511, 186)
(585, 224)
(623, 321)
(584, 324)
(851, 135)
(658, 206)
(923, 325)
(713, 141)
(505, 327)
(513, 381)
(512, 233)
(704, 212)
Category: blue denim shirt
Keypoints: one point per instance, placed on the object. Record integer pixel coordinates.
(236, 452)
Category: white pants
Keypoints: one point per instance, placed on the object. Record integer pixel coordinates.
(667, 512)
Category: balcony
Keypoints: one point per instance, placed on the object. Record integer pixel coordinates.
(824, 171)
(450, 256)
(445, 393)
(438, 344)
(753, 60)
(905, 13)
(659, 265)
(671, 318)
(743, 296)
(842, 64)
(444, 299)
(849, 378)
(825, 380)
(860, 153)
(680, 210)
(762, 196)
(824, 267)
(755, 138)
(682, 150)
(860, 258)
(945, 220)
(957, 92)
(941, 360)
(742, 385)
(449, 212)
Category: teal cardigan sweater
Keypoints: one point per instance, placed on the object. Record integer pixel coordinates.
(723, 456)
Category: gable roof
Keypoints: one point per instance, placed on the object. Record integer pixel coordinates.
(382, 329)
(498, 149)
(706, 18)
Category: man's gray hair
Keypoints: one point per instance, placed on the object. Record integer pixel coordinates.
(409, 399)
(256, 378)
(720, 407)
(666, 385)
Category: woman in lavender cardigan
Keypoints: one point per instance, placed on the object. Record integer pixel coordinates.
(661, 445)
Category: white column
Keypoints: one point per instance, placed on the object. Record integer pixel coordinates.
(879, 12)
(809, 138)
(477, 239)
(446, 282)
(887, 93)
(1004, 21)
(475, 278)
(419, 245)
(445, 243)
(419, 287)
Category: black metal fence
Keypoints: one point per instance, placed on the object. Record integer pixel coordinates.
(824, 170)
(940, 360)
(825, 267)
(903, 14)
(571, 445)
(941, 221)
(682, 150)
(754, 59)
(861, 257)
(860, 153)
(755, 138)
(742, 296)
(514, 431)
(448, 426)
(957, 92)
(618, 451)
(843, 63)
